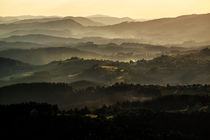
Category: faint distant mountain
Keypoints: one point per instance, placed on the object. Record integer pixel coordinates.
(141, 19)
(60, 25)
(81, 20)
(85, 21)
(11, 19)
(98, 15)
(54, 26)
(63, 23)
(108, 20)
(40, 20)
(167, 30)
(159, 31)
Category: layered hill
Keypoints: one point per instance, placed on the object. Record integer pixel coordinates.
(167, 99)
(38, 56)
(108, 20)
(42, 39)
(4, 45)
(68, 26)
(191, 68)
(162, 31)
(10, 67)
(168, 30)
(81, 20)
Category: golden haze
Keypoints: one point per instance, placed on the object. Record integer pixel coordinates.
(121, 8)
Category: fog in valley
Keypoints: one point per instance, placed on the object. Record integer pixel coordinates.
(105, 77)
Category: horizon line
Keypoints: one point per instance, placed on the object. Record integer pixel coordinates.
(102, 15)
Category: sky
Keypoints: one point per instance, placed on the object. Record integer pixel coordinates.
(142, 9)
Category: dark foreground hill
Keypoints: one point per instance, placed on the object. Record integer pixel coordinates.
(177, 116)
(65, 96)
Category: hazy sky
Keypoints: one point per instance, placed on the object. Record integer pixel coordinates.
(122, 8)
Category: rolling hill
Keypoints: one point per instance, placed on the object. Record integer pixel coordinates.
(42, 39)
(108, 20)
(10, 67)
(158, 31)
(19, 45)
(165, 30)
(38, 56)
(191, 68)
(66, 25)
(81, 20)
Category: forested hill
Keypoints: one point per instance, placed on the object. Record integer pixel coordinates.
(66, 96)
(189, 68)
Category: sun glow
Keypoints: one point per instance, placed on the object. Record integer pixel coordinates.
(130, 8)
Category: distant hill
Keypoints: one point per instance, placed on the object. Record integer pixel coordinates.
(108, 20)
(165, 30)
(85, 21)
(81, 20)
(189, 68)
(54, 26)
(62, 23)
(188, 28)
(66, 25)
(45, 55)
(19, 45)
(111, 51)
(39, 20)
(10, 67)
(48, 32)
(42, 39)
(11, 19)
